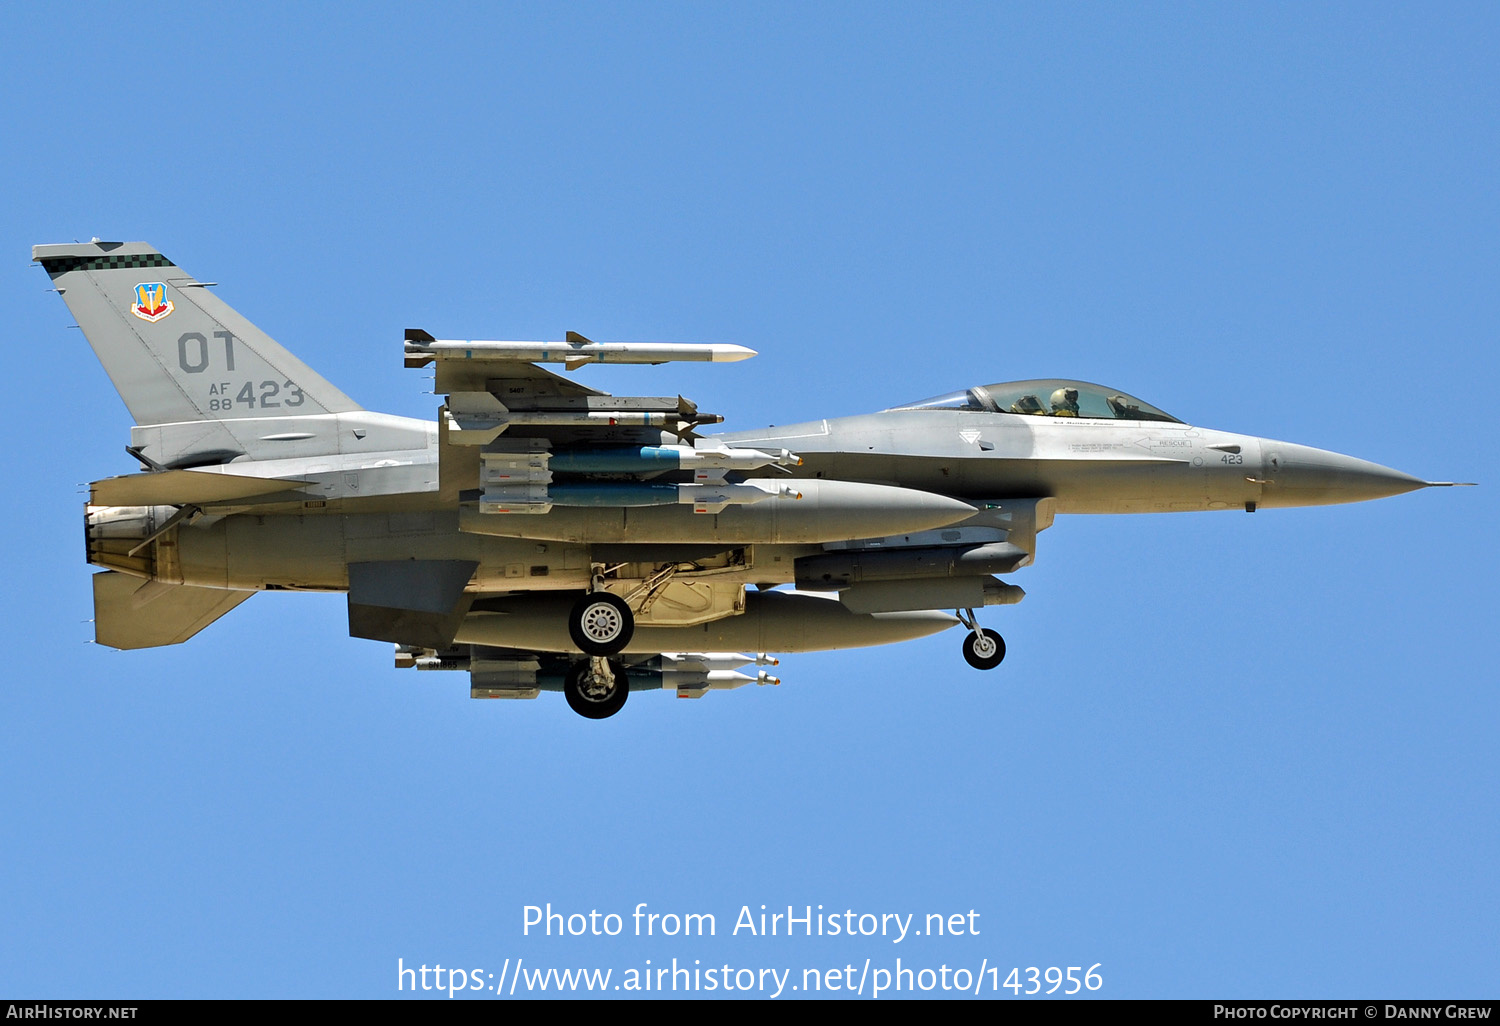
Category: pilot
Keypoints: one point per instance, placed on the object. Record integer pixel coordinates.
(1065, 402)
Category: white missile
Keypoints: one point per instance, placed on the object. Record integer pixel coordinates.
(690, 684)
(575, 351)
(704, 462)
(706, 661)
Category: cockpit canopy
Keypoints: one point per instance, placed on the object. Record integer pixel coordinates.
(1045, 397)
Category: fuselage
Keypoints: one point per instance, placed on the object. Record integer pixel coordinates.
(384, 503)
(1086, 465)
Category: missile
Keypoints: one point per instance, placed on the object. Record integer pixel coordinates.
(704, 498)
(478, 418)
(691, 675)
(696, 685)
(687, 685)
(574, 352)
(713, 670)
(587, 419)
(651, 459)
(706, 661)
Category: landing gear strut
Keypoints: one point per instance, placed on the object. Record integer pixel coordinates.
(984, 649)
(601, 624)
(596, 687)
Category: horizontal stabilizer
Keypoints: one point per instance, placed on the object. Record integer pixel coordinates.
(131, 613)
(182, 487)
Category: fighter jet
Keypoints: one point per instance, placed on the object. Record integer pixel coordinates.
(542, 535)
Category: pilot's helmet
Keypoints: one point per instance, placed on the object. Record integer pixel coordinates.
(1065, 399)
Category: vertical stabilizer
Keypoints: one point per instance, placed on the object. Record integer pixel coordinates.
(175, 352)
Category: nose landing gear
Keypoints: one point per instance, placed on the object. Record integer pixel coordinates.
(984, 649)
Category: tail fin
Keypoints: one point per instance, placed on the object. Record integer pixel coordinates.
(175, 352)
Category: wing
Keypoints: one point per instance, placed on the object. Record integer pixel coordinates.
(504, 420)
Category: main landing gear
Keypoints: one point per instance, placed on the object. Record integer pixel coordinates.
(596, 687)
(601, 624)
(984, 649)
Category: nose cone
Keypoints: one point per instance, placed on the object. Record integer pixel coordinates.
(1299, 475)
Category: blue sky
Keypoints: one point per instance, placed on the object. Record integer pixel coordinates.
(1227, 756)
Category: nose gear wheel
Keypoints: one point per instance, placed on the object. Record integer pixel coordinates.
(984, 649)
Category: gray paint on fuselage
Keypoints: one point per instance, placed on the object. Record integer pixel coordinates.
(1087, 465)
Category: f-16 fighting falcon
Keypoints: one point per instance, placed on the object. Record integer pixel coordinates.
(542, 535)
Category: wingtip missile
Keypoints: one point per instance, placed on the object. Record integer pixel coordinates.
(576, 351)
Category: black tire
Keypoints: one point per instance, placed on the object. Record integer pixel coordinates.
(589, 701)
(601, 624)
(984, 654)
